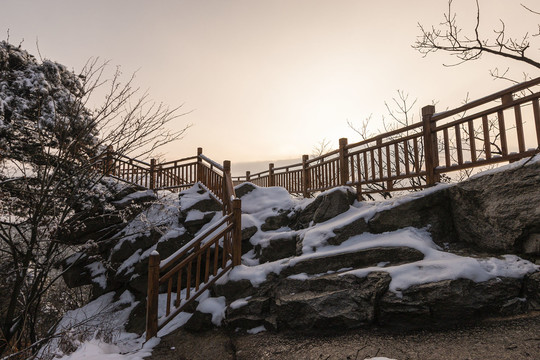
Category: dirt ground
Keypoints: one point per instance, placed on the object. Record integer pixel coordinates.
(513, 338)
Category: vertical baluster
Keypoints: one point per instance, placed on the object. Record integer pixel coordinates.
(458, 144)
(207, 265)
(366, 171)
(188, 281)
(416, 156)
(536, 111)
(396, 156)
(519, 128)
(388, 162)
(178, 288)
(216, 257)
(406, 156)
(487, 142)
(381, 170)
(225, 252)
(169, 290)
(472, 141)
(502, 133)
(373, 177)
(446, 147)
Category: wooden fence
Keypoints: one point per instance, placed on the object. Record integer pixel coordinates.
(501, 127)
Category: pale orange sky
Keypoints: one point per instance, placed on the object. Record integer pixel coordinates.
(268, 79)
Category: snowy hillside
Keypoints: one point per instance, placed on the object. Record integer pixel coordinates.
(273, 221)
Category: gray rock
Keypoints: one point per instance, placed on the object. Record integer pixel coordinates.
(199, 322)
(243, 189)
(324, 207)
(356, 227)
(167, 247)
(333, 204)
(278, 248)
(233, 290)
(255, 313)
(276, 222)
(247, 234)
(329, 302)
(359, 259)
(531, 245)
(433, 211)
(193, 226)
(448, 302)
(499, 211)
(532, 290)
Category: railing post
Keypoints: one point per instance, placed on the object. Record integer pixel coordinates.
(431, 156)
(226, 195)
(109, 161)
(152, 296)
(343, 162)
(271, 177)
(237, 232)
(248, 174)
(152, 174)
(199, 165)
(305, 176)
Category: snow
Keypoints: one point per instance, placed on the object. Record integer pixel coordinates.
(437, 265)
(214, 306)
(134, 196)
(239, 303)
(523, 162)
(256, 330)
(98, 273)
(11, 168)
(190, 197)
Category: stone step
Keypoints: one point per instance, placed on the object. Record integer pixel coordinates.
(318, 264)
(347, 301)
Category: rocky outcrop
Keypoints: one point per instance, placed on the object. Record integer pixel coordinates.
(432, 211)
(354, 260)
(325, 207)
(449, 302)
(500, 211)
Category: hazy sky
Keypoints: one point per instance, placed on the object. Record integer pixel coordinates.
(268, 79)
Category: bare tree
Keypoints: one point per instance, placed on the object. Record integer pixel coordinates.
(468, 46)
(49, 141)
(400, 112)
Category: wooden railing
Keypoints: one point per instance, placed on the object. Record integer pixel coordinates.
(192, 269)
(502, 127)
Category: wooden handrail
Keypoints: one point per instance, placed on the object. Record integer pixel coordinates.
(485, 100)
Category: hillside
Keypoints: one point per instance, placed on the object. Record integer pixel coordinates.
(329, 262)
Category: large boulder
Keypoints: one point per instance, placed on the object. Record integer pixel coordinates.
(327, 205)
(277, 247)
(359, 259)
(433, 211)
(449, 302)
(500, 211)
(329, 301)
